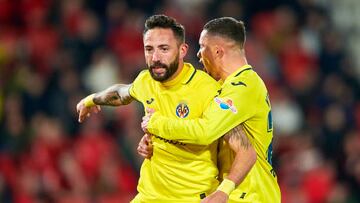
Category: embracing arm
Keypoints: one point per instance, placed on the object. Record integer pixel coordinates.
(223, 113)
(115, 95)
(214, 123)
(245, 158)
(205, 130)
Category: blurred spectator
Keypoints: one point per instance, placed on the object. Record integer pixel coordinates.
(286, 113)
(102, 73)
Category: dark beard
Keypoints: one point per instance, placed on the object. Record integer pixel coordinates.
(170, 70)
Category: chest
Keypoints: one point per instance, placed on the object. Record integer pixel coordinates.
(182, 102)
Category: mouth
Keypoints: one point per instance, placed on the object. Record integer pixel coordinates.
(158, 70)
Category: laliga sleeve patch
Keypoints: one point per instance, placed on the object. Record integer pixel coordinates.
(226, 104)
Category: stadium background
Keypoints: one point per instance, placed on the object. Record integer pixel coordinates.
(54, 52)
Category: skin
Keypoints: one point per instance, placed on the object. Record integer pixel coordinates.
(221, 57)
(161, 49)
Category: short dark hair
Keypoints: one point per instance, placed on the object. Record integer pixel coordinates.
(227, 27)
(163, 21)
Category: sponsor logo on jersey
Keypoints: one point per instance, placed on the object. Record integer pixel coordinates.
(173, 142)
(226, 104)
(182, 110)
(151, 100)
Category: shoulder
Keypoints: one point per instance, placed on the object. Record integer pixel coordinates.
(246, 79)
(204, 79)
(245, 86)
(138, 84)
(239, 85)
(206, 83)
(204, 75)
(143, 76)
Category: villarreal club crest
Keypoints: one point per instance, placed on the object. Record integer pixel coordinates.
(182, 110)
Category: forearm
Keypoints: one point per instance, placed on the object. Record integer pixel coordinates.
(243, 162)
(186, 131)
(202, 131)
(115, 95)
(245, 158)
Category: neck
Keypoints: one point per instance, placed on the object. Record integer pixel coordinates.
(231, 63)
(178, 71)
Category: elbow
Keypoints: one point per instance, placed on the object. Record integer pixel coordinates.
(252, 156)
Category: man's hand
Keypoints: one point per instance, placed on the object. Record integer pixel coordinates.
(84, 111)
(145, 147)
(146, 118)
(216, 197)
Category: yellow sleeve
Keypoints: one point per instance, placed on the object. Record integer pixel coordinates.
(226, 111)
(135, 89)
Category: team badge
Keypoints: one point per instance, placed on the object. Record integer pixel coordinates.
(225, 104)
(182, 110)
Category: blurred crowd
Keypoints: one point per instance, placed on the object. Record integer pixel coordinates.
(54, 52)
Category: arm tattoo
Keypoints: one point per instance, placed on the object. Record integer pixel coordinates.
(237, 136)
(115, 95)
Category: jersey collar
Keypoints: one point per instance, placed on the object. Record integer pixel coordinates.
(238, 71)
(184, 76)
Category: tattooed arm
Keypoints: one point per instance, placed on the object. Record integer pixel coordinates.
(115, 95)
(245, 158)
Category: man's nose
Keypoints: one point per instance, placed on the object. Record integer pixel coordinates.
(198, 54)
(156, 56)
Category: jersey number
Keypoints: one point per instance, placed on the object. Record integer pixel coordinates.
(270, 122)
(269, 153)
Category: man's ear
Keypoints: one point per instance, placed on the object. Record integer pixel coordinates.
(219, 51)
(183, 50)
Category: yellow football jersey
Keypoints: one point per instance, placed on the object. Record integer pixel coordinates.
(243, 99)
(177, 171)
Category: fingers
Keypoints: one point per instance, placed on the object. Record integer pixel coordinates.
(144, 153)
(85, 112)
(82, 115)
(98, 109)
(145, 148)
(146, 119)
(147, 139)
(144, 123)
(78, 106)
(150, 110)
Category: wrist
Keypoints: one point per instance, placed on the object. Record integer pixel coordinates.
(89, 101)
(226, 186)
